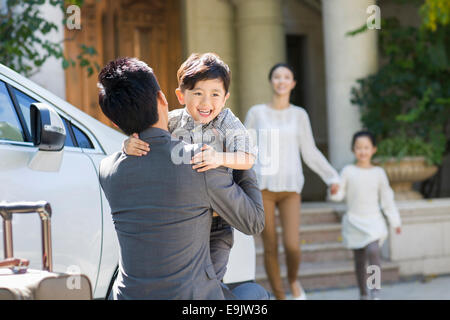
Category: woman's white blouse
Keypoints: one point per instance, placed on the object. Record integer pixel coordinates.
(283, 137)
(366, 190)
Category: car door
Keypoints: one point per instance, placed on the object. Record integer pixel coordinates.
(73, 190)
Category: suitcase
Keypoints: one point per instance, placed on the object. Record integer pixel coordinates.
(17, 282)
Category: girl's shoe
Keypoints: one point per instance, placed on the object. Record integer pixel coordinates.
(375, 294)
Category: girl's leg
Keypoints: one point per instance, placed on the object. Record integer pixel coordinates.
(290, 221)
(373, 255)
(270, 242)
(360, 270)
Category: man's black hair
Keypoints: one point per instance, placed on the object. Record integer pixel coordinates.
(128, 94)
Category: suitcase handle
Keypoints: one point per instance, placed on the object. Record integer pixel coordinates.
(44, 210)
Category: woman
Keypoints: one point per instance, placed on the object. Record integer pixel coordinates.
(284, 135)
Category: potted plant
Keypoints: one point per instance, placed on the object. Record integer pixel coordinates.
(406, 104)
(406, 161)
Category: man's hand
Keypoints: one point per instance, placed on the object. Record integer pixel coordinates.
(398, 230)
(207, 159)
(133, 146)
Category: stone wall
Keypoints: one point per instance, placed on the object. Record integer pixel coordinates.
(423, 247)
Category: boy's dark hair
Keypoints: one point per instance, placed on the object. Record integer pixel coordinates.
(128, 94)
(278, 65)
(200, 67)
(364, 133)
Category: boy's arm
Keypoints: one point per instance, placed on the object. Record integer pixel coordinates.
(240, 150)
(238, 160)
(211, 159)
(133, 146)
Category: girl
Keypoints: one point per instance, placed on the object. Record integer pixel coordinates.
(365, 187)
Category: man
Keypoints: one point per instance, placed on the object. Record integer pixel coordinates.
(162, 208)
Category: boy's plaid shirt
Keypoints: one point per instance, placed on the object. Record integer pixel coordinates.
(225, 133)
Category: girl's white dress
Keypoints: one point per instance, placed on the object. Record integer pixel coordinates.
(365, 191)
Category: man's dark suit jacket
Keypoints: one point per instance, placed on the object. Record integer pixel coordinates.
(162, 215)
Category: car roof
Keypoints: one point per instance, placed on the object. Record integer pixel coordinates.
(109, 139)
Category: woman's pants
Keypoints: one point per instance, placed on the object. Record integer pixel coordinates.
(288, 204)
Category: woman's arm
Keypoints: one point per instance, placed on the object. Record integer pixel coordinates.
(342, 189)
(311, 155)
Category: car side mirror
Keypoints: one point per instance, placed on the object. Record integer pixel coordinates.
(47, 128)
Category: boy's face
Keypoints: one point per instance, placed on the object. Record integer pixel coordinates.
(205, 101)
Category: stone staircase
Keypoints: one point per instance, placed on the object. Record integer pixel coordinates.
(325, 262)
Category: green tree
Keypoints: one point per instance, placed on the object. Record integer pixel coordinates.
(23, 45)
(407, 102)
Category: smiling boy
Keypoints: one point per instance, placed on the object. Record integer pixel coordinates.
(203, 87)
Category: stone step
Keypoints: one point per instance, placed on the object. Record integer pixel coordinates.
(315, 252)
(330, 274)
(314, 233)
(315, 213)
(315, 216)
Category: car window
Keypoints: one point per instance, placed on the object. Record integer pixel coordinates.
(24, 102)
(10, 128)
(82, 139)
(69, 141)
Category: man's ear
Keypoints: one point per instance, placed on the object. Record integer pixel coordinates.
(161, 98)
(180, 95)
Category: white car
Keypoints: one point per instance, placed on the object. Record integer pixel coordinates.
(83, 236)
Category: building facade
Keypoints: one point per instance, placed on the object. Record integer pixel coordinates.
(250, 36)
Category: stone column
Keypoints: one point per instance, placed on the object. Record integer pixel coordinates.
(208, 26)
(346, 60)
(261, 43)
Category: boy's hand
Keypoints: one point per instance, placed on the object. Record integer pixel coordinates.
(398, 230)
(334, 188)
(207, 159)
(133, 146)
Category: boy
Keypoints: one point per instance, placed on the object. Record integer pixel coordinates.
(203, 83)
